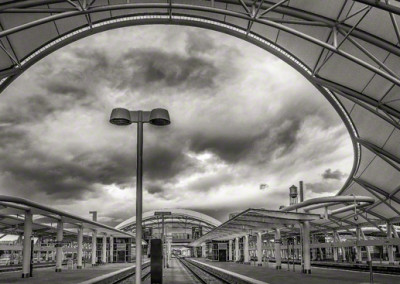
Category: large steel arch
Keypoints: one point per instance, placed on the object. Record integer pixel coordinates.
(348, 49)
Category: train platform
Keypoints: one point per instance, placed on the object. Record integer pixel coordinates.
(378, 266)
(269, 274)
(177, 274)
(48, 275)
(10, 268)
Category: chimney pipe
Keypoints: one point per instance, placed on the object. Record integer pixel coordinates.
(301, 191)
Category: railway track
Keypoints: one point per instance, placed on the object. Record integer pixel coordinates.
(203, 275)
(131, 277)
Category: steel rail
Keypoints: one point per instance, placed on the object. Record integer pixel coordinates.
(144, 277)
(188, 265)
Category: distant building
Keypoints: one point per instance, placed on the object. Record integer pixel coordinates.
(182, 226)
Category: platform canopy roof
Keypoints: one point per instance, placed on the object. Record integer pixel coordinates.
(172, 216)
(45, 219)
(348, 49)
(255, 220)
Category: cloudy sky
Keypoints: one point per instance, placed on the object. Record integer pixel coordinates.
(240, 118)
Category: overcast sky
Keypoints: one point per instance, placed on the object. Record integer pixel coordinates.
(240, 118)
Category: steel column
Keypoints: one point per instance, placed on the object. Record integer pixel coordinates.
(94, 247)
(359, 253)
(230, 254)
(335, 249)
(306, 245)
(259, 249)
(59, 252)
(277, 243)
(111, 249)
(80, 248)
(26, 261)
(237, 251)
(104, 250)
(390, 247)
(246, 249)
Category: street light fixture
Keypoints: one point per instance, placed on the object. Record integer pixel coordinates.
(123, 117)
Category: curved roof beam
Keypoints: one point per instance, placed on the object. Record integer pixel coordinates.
(384, 155)
(19, 7)
(345, 91)
(319, 202)
(286, 10)
(381, 5)
(290, 30)
(367, 186)
(366, 106)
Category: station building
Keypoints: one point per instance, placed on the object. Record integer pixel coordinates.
(180, 227)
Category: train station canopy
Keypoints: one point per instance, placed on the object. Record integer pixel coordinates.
(12, 211)
(172, 216)
(255, 220)
(349, 50)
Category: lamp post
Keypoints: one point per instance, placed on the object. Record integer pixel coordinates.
(123, 117)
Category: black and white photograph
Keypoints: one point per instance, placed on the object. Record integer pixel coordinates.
(199, 141)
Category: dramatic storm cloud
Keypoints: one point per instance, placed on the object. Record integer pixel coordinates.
(329, 174)
(240, 118)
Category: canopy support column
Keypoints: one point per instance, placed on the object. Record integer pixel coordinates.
(80, 248)
(335, 249)
(237, 251)
(169, 250)
(26, 262)
(306, 245)
(359, 253)
(390, 247)
(278, 249)
(59, 252)
(112, 249)
(259, 249)
(246, 249)
(94, 244)
(230, 250)
(104, 250)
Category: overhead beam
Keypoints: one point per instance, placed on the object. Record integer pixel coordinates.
(286, 10)
(226, 12)
(340, 89)
(365, 184)
(379, 151)
(381, 5)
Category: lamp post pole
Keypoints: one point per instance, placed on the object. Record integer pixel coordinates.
(139, 197)
(123, 117)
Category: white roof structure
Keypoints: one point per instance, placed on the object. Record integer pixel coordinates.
(184, 216)
(348, 49)
(252, 220)
(12, 210)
